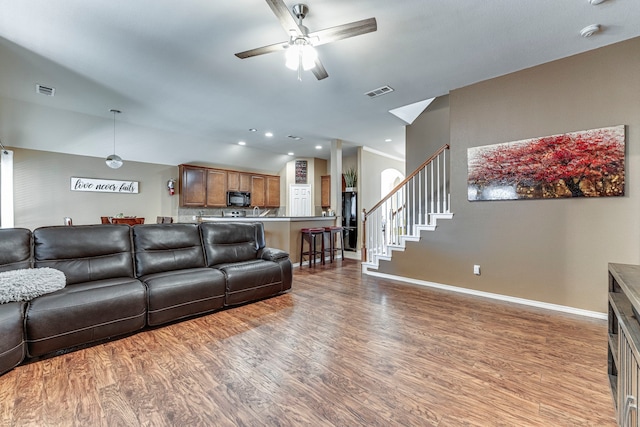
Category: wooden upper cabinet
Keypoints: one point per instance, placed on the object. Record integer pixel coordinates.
(273, 192)
(257, 190)
(216, 188)
(325, 191)
(193, 186)
(238, 181)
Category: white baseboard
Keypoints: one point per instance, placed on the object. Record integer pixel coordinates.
(500, 297)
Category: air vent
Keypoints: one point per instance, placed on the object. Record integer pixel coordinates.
(45, 90)
(379, 92)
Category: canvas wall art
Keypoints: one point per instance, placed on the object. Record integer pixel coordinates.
(587, 163)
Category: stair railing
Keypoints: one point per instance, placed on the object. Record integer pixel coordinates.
(424, 192)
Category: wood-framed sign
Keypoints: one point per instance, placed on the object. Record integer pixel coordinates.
(104, 185)
(301, 171)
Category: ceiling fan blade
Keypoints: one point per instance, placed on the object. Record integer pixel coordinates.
(345, 31)
(276, 47)
(319, 70)
(285, 17)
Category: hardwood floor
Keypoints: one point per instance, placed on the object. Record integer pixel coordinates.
(341, 349)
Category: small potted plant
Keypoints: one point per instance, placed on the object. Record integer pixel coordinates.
(350, 179)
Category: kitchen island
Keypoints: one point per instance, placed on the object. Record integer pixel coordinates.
(282, 232)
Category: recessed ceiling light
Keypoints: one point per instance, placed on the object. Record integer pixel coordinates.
(318, 147)
(388, 140)
(242, 143)
(596, 2)
(268, 134)
(589, 30)
(290, 153)
(253, 130)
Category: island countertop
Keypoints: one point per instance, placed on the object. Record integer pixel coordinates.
(265, 218)
(281, 232)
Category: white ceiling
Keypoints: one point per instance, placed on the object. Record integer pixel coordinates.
(170, 67)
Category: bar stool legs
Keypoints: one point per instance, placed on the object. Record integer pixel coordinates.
(332, 233)
(310, 235)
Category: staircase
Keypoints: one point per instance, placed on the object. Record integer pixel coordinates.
(413, 206)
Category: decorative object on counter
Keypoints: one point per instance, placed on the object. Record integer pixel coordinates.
(301, 171)
(103, 185)
(114, 161)
(587, 163)
(68, 220)
(350, 179)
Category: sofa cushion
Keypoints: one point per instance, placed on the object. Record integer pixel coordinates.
(84, 313)
(251, 280)
(177, 294)
(166, 247)
(12, 346)
(86, 252)
(228, 242)
(15, 248)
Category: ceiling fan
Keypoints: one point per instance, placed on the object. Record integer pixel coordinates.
(300, 52)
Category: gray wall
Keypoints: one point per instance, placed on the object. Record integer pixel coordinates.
(553, 251)
(43, 196)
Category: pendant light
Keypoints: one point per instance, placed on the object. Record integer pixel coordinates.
(114, 161)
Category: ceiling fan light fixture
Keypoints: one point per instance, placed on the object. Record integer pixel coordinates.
(300, 54)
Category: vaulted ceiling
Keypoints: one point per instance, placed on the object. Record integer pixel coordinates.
(170, 67)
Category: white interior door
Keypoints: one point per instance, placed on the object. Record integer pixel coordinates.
(300, 200)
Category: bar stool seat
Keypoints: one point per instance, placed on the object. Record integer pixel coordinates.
(310, 235)
(331, 232)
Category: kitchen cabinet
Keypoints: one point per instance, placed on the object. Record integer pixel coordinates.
(272, 195)
(325, 191)
(193, 186)
(203, 187)
(257, 190)
(216, 188)
(238, 181)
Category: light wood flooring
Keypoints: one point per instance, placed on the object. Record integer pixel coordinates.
(341, 349)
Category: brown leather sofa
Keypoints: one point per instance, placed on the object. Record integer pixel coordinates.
(121, 279)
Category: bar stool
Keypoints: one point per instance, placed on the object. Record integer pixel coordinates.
(331, 233)
(310, 235)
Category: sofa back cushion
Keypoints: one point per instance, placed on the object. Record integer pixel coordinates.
(15, 248)
(166, 247)
(226, 242)
(86, 252)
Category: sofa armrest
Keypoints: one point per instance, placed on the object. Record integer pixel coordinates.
(272, 254)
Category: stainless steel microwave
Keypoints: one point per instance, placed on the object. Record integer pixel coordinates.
(238, 198)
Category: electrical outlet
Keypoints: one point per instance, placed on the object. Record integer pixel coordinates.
(476, 270)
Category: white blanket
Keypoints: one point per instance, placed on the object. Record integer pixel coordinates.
(26, 284)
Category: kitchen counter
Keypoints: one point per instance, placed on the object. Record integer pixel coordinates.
(282, 232)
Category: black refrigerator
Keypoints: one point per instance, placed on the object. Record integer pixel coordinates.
(350, 220)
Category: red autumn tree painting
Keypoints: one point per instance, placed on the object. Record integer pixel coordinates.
(579, 164)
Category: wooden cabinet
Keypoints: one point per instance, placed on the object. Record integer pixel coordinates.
(207, 187)
(624, 341)
(325, 191)
(238, 181)
(273, 192)
(216, 188)
(193, 186)
(257, 190)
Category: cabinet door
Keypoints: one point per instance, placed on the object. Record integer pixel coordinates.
(245, 182)
(193, 186)
(325, 191)
(216, 188)
(273, 192)
(233, 181)
(257, 191)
